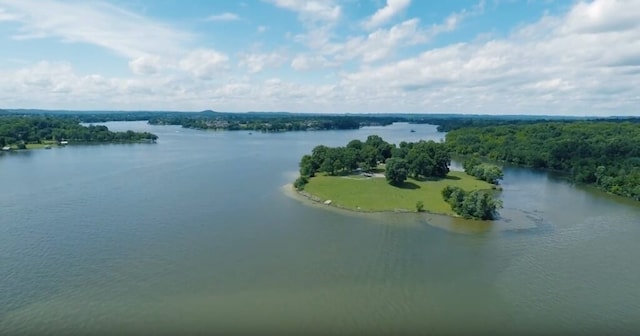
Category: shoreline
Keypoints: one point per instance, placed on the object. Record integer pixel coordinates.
(445, 222)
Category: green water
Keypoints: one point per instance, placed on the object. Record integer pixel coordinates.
(194, 234)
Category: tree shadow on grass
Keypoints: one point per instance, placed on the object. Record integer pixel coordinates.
(406, 185)
(451, 177)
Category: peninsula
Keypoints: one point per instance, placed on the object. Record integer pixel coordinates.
(30, 132)
(375, 175)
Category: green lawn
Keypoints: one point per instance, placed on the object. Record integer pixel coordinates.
(376, 194)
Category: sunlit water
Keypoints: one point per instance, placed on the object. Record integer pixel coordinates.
(194, 234)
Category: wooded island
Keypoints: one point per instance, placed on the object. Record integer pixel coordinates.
(375, 175)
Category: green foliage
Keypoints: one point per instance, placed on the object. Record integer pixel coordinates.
(300, 182)
(396, 171)
(603, 153)
(36, 129)
(483, 171)
(308, 166)
(426, 158)
(474, 204)
(419, 206)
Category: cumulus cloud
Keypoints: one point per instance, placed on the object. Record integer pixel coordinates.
(584, 61)
(386, 13)
(256, 62)
(204, 63)
(145, 65)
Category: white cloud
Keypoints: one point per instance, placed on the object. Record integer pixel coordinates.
(145, 65)
(304, 62)
(383, 15)
(257, 62)
(559, 64)
(205, 63)
(262, 29)
(311, 10)
(224, 17)
(603, 16)
(582, 61)
(96, 23)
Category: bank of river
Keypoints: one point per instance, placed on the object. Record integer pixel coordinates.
(194, 234)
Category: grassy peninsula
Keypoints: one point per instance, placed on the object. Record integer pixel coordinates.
(355, 192)
(378, 176)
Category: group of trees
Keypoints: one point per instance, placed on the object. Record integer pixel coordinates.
(603, 153)
(423, 159)
(483, 171)
(471, 204)
(34, 129)
(338, 160)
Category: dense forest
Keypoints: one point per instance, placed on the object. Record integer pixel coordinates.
(35, 129)
(602, 153)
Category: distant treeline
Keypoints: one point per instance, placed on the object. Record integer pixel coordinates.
(263, 123)
(285, 121)
(602, 153)
(36, 129)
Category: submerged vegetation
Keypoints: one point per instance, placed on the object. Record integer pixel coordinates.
(415, 173)
(602, 153)
(24, 132)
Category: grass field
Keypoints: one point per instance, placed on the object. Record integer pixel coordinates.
(375, 194)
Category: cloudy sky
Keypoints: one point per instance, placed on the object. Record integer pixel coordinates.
(480, 56)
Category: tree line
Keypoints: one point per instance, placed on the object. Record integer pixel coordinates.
(422, 159)
(602, 153)
(35, 129)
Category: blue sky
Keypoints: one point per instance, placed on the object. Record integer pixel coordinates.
(486, 56)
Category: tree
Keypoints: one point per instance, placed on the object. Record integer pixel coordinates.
(300, 183)
(396, 171)
(419, 206)
(475, 204)
(307, 166)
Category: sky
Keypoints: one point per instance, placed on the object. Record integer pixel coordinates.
(543, 57)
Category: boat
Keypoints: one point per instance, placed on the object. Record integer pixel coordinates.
(47, 147)
(64, 142)
(6, 148)
(413, 131)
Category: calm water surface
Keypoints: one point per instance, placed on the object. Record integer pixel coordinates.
(195, 234)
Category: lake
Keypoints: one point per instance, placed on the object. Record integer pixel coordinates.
(195, 234)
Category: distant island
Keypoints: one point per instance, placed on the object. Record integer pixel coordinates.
(378, 176)
(29, 132)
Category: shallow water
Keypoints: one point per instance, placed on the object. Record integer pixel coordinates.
(195, 234)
